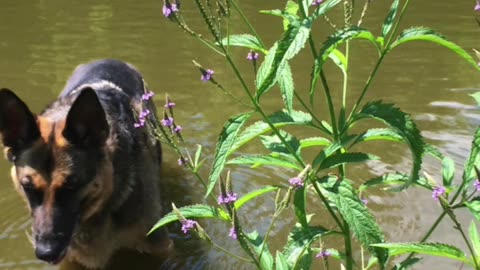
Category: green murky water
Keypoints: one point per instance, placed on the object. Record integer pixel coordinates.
(42, 41)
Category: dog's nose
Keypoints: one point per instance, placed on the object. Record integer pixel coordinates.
(49, 252)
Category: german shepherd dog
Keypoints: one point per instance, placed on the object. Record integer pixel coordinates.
(89, 177)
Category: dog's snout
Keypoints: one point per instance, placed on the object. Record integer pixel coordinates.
(50, 250)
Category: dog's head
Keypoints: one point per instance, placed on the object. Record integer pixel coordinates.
(60, 165)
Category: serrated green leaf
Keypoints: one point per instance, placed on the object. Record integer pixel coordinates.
(403, 125)
(285, 82)
(278, 119)
(473, 160)
(300, 206)
(198, 154)
(433, 249)
(361, 222)
(292, 9)
(275, 144)
(314, 141)
(264, 160)
(448, 171)
(392, 179)
(281, 262)
(340, 60)
(253, 195)
(329, 46)
(225, 141)
(375, 134)
(427, 34)
(329, 150)
(244, 40)
(324, 8)
(297, 250)
(191, 211)
(474, 208)
(474, 238)
(266, 261)
(388, 23)
(337, 159)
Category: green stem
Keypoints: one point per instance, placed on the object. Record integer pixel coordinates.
(231, 254)
(304, 105)
(348, 246)
(458, 226)
(269, 230)
(327, 205)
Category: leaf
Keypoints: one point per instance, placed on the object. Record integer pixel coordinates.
(375, 134)
(403, 125)
(361, 222)
(278, 119)
(427, 34)
(253, 195)
(286, 48)
(224, 144)
(433, 249)
(300, 206)
(244, 40)
(324, 8)
(329, 150)
(292, 9)
(388, 23)
(392, 179)
(448, 171)
(331, 44)
(341, 158)
(407, 263)
(474, 208)
(285, 82)
(281, 262)
(275, 144)
(474, 238)
(266, 261)
(473, 160)
(198, 154)
(297, 250)
(264, 160)
(340, 60)
(191, 211)
(314, 141)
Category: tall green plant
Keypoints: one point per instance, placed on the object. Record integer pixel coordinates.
(313, 182)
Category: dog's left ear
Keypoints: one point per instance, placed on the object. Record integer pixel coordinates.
(86, 124)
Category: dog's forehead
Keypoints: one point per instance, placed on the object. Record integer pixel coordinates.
(51, 131)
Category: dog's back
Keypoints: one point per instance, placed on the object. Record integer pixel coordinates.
(89, 176)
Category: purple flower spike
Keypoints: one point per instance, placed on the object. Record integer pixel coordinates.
(167, 122)
(317, 2)
(207, 75)
(182, 161)
(144, 114)
(438, 191)
(148, 95)
(169, 105)
(252, 56)
(296, 182)
(168, 9)
(233, 233)
(476, 184)
(477, 6)
(177, 129)
(187, 225)
(229, 198)
(141, 123)
(323, 254)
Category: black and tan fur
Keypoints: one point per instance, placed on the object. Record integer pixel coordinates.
(89, 177)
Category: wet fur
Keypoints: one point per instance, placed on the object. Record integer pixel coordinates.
(74, 168)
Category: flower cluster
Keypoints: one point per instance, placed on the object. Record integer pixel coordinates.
(170, 8)
(323, 254)
(317, 2)
(476, 185)
(206, 75)
(296, 182)
(477, 6)
(230, 197)
(438, 191)
(148, 95)
(252, 56)
(187, 225)
(182, 161)
(167, 122)
(233, 233)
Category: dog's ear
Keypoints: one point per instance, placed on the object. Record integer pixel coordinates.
(18, 127)
(86, 124)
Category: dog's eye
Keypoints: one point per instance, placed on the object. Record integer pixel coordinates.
(35, 196)
(27, 183)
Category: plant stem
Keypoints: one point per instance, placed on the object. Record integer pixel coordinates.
(327, 205)
(348, 246)
(269, 230)
(458, 226)
(245, 20)
(229, 253)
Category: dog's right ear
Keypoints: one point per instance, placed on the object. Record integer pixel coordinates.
(18, 127)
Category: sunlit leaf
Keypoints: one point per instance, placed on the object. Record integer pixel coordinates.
(314, 141)
(266, 261)
(253, 195)
(244, 40)
(388, 23)
(265, 160)
(448, 171)
(285, 82)
(474, 238)
(342, 158)
(297, 250)
(433, 249)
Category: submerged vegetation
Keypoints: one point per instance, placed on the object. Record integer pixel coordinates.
(320, 182)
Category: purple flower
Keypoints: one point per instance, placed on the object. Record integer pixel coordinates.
(207, 75)
(167, 122)
(233, 233)
(296, 182)
(317, 2)
(476, 184)
(169, 105)
(323, 254)
(477, 6)
(141, 123)
(252, 56)
(144, 114)
(229, 198)
(148, 95)
(364, 201)
(177, 129)
(182, 161)
(438, 191)
(168, 9)
(187, 225)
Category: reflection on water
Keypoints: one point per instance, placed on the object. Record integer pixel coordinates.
(42, 42)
